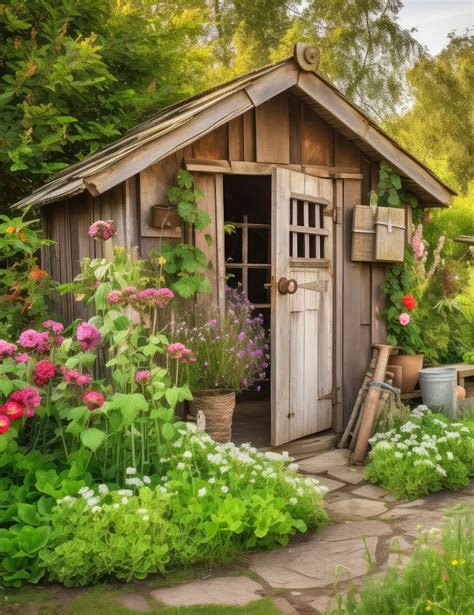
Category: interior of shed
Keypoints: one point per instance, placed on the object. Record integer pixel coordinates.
(247, 216)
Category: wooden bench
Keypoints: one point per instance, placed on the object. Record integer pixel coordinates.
(464, 371)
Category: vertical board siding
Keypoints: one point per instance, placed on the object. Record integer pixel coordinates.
(272, 129)
(315, 139)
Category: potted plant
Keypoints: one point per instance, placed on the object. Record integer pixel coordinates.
(405, 289)
(228, 354)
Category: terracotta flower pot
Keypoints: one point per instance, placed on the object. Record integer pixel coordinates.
(397, 371)
(165, 217)
(411, 365)
(218, 409)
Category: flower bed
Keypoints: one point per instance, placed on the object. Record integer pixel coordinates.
(427, 453)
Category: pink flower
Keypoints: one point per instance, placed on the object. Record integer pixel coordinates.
(43, 372)
(58, 340)
(417, 243)
(115, 296)
(6, 349)
(22, 357)
(12, 409)
(404, 319)
(4, 424)
(93, 400)
(142, 375)
(72, 376)
(102, 229)
(28, 397)
(34, 340)
(178, 351)
(87, 335)
(156, 296)
(54, 326)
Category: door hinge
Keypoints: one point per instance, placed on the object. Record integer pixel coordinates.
(332, 395)
(290, 415)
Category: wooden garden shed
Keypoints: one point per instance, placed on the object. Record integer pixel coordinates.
(285, 157)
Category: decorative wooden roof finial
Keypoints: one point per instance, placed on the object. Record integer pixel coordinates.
(306, 56)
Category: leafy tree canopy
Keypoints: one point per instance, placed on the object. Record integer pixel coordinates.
(76, 73)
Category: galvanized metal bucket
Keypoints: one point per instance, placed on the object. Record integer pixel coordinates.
(438, 389)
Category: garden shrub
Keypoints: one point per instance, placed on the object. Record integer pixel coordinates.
(427, 453)
(211, 502)
(439, 578)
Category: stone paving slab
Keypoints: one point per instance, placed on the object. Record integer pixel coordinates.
(354, 529)
(315, 564)
(370, 491)
(356, 508)
(237, 591)
(329, 483)
(134, 602)
(350, 474)
(325, 461)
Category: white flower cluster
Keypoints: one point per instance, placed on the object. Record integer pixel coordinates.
(412, 442)
(245, 463)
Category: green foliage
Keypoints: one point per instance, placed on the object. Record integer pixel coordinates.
(213, 503)
(439, 578)
(186, 265)
(24, 286)
(435, 129)
(389, 189)
(400, 280)
(427, 453)
(29, 486)
(76, 74)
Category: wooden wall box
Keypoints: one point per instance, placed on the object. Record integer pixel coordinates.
(363, 234)
(390, 230)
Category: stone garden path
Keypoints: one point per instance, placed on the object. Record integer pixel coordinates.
(303, 577)
(369, 531)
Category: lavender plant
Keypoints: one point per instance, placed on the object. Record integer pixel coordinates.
(229, 353)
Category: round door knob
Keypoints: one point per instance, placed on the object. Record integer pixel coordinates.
(287, 287)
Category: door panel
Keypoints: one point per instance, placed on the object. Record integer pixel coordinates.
(302, 250)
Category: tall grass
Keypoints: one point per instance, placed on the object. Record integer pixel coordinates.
(438, 579)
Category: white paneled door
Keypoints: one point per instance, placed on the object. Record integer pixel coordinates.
(302, 305)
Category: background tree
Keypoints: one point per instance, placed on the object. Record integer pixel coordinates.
(76, 74)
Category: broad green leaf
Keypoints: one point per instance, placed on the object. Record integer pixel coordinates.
(92, 438)
(32, 539)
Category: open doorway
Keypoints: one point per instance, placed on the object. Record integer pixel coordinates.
(247, 206)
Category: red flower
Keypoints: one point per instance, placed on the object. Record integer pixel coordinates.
(4, 423)
(44, 371)
(93, 400)
(12, 409)
(409, 302)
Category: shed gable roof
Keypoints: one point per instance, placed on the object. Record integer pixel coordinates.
(181, 124)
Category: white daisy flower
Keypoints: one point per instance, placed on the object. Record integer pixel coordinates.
(202, 492)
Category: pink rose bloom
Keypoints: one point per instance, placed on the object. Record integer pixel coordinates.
(54, 326)
(115, 296)
(58, 340)
(83, 380)
(87, 335)
(93, 400)
(156, 296)
(6, 349)
(4, 424)
(28, 397)
(22, 357)
(72, 376)
(142, 375)
(102, 229)
(404, 319)
(34, 340)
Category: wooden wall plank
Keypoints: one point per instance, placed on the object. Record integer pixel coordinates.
(213, 146)
(295, 107)
(316, 139)
(249, 148)
(235, 137)
(355, 335)
(272, 130)
(345, 153)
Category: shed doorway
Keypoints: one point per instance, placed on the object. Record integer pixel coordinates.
(247, 207)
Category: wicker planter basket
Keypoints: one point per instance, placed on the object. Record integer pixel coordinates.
(218, 409)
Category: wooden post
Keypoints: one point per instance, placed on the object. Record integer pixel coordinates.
(371, 403)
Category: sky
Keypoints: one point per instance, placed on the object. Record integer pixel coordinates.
(435, 19)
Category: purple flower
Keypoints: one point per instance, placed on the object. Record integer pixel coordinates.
(54, 326)
(258, 388)
(241, 336)
(212, 323)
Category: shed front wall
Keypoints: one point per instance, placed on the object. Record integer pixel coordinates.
(283, 131)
